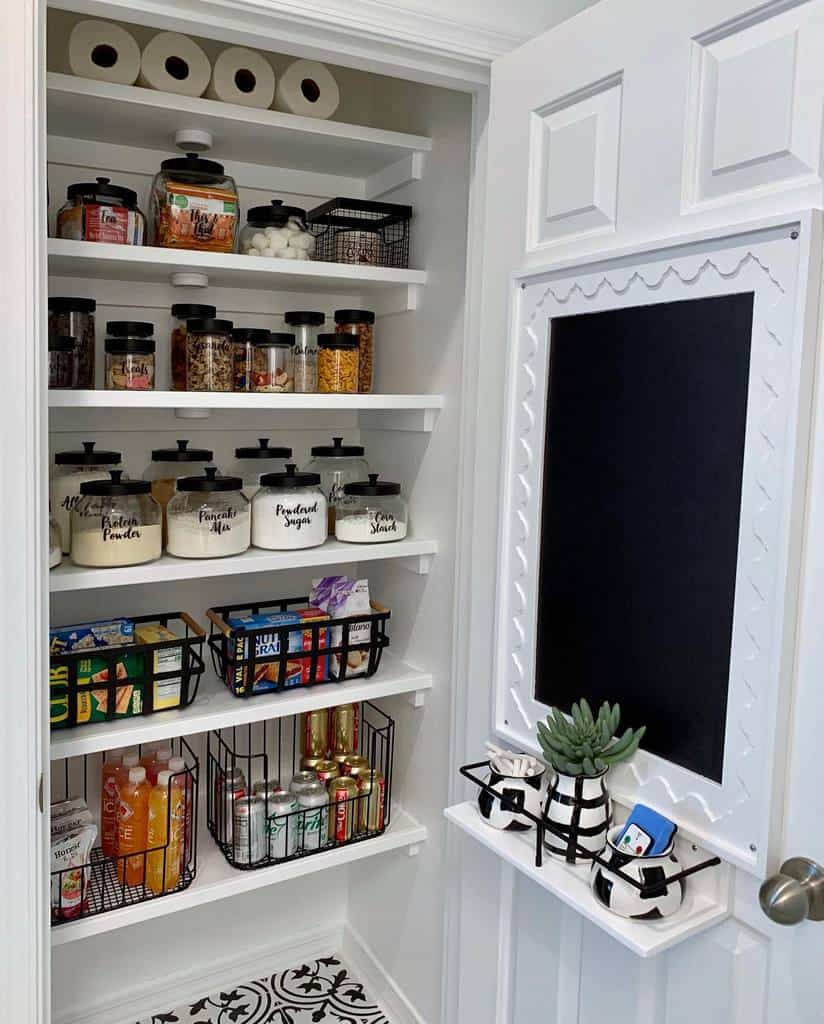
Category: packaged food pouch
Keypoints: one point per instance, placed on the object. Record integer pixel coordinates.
(70, 865)
(70, 806)
(341, 597)
(70, 822)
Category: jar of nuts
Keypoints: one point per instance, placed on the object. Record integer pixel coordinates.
(360, 324)
(337, 364)
(209, 351)
(273, 363)
(130, 356)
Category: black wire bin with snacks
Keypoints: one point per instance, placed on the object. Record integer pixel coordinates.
(362, 232)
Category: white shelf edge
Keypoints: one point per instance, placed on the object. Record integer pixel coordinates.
(571, 886)
(216, 880)
(216, 708)
(66, 578)
(213, 400)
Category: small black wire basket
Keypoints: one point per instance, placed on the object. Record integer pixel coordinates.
(85, 886)
(361, 232)
(265, 805)
(310, 648)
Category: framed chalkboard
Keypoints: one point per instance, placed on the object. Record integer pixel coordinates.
(643, 460)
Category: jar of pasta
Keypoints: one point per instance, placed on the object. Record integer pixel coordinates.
(360, 323)
(209, 355)
(273, 363)
(183, 312)
(130, 356)
(337, 364)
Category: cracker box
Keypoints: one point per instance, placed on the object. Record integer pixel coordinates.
(167, 692)
(92, 704)
(90, 636)
(267, 645)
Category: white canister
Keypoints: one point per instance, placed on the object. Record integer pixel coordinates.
(71, 470)
(289, 511)
(209, 517)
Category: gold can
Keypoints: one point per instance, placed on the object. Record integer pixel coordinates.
(314, 733)
(326, 771)
(343, 808)
(355, 765)
(372, 803)
(343, 729)
(340, 760)
(309, 764)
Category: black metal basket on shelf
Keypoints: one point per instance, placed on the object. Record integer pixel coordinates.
(361, 232)
(306, 649)
(256, 810)
(86, 885)
(102, 684)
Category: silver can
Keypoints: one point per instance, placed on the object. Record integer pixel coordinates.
(282, 825)
(314, 821)
(300, 780)
(249, 841)
(230, 785)
(265, 789)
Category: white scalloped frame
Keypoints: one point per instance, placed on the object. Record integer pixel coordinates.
(779, 263)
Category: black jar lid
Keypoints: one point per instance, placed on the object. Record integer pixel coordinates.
(194, 168)
(337, 341)
(208, 325)
(354, 316)
(372, 487)
(129, 346)
(279, 338)
(263, 451)
(62, 343)
(183, 453)
(115, 487)
(274, 215)
(129, 329)
(301, 317)
(290, 479)
(88, 457)
(189, 310)
(254, 335)
(70, 304)
(103, 190)
(210, 481)
(338, 450)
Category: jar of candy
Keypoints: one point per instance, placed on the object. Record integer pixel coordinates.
(273, 363)
(130, 356)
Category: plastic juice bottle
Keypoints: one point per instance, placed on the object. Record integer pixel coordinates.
(176, 766)
(110, 801)
(133, 827)
(166, 810)
(160, 761)
(148, 755)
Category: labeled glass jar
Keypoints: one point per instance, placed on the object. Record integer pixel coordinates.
(62, 361)
(183, 312)
(372, 512)
(130, 356)
(55, 547)
(276, 230)
(75, 317)
(337, 464)
(251, 463)
(305, 324)
(273, 363)
(242, 340)
(97, 211)
(71, 469)
(168, 465)
(194, 205)
(209, 517)
(116, 523)
(360, 323)
(209, 355)
(337, 364)
(289, 511)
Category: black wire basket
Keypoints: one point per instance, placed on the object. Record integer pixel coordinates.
(255, 812)
(98, 883)
(361, 232)
(302, 652)
(102, 684)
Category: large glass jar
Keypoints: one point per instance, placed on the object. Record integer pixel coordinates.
(209, 517)
(371, 512)
(305, 324)
(75, 317)
(55, 548)
(130, 356)
(360, 323)
(209, 355)
(182, 312)
(289, 511)
(116, 522)
(168, 465)
(273, 363)
(338, 464)
(194, 205)
(337, 364)
(253, 462)
(276, 230)
(97, 211)
(242, 340)
(62, 361)
(71, 469)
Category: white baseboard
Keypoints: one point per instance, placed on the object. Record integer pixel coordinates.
(140, 1003)
(366, 967)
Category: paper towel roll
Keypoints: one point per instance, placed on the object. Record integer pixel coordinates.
(242, 76)
(99, 49)
(309, 89)
(175, 63)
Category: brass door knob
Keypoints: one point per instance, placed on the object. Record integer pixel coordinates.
(795, 894)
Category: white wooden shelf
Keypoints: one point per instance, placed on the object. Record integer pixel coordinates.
(216, 880)
(417, 553)
(704, 905)
(120, 400)
(216, 708)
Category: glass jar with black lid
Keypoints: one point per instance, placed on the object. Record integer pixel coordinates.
(305, 324)
(338, 464)
(209, 362)
(116, 523)
(62, 361)
(194, 205)
(372, 511)
(98, 211)
(168, 465)
(289, 511)
(253, 462)
(209, 517)
(183, 312)
(71, 469)
(243, 338)
(130, 356)
(276, 231)
(74, 316)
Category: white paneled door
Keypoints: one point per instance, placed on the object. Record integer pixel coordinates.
(634, 123)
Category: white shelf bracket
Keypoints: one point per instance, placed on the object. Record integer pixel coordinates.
(401, 299)
(419, 564)
(408, 168)
(413, 849)
(417, 699)
(193, 414)
(421, 421)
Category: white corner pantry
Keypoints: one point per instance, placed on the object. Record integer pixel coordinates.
(566, 165)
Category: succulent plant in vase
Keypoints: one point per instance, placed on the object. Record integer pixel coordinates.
(582, 749)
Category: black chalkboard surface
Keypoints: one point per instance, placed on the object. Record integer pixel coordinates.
(644, 453)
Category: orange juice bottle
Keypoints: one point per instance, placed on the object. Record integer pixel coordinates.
(148, 755)
(160, 760)
(177, 766)
(133, 827)
(166, 810)
(110, 802)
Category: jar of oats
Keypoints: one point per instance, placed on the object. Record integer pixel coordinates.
(337, 364)
(360, 323)
(209, 355)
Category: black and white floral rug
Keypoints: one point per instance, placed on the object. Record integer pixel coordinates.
(319, 992)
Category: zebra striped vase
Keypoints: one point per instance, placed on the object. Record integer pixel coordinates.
(577, 807)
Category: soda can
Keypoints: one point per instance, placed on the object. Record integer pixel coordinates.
(344, 729)
(371, 806)
(230, 784)
(309, 764)
(264, 788)
(282, 825)
(314, 733)
(313, 822)
(249, 840)
(300, 780)
(326, 771)
(343, 809)
(354, 765)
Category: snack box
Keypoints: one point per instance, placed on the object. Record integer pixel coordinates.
(91, 635)
(167, 692)
(267, 645)
(92, 704)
